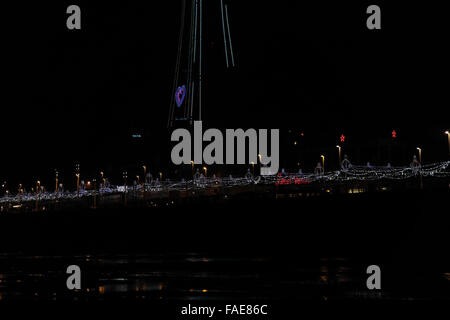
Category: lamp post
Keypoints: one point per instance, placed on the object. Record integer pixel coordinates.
(340, 152)
(448, 138)
(4, 186)
(38, 187)
(323, 162)
(56, 181)
(145, 176)
(95, 192)
(125, 176)
(420, 174)
(259, 163)
(77, 174)
(20, 192)
(56, 184)
(206, 171)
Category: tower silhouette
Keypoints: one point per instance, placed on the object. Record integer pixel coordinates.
(186, 104)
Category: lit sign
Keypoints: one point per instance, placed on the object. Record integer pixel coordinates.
(291, 180)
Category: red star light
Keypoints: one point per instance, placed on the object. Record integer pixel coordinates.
(394, 134)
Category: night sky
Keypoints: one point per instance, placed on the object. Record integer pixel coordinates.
(78, 95)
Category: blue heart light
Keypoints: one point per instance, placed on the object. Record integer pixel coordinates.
(180, 93)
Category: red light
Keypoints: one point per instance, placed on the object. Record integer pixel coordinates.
(342, 138)
(394, 134)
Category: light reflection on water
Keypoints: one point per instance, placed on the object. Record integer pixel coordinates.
(184, 276)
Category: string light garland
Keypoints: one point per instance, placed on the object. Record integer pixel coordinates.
(348, 173)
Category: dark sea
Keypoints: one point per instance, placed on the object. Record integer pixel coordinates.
(245, 249)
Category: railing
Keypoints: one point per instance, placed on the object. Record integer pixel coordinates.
(352, 173)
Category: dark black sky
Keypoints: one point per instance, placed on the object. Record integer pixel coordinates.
(70, 95)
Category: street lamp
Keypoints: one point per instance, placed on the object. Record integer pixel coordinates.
(95, 192)
(38, 185)
(77, 174)
(448, 137)
(420, 161)
(20, 192)
(323, 162)
(206, 170)
(125, 176)
(103, 180)
(259, 162)
(4, 185)
(192, 168)
(339, 149)
(145, 175)
(56, 181)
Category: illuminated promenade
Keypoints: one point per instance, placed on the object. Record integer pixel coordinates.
(351, 175)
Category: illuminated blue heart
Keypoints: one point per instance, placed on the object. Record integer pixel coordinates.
(179, 95)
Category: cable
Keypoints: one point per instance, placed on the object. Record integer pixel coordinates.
(229, 36)
(177, 64)
(224, 36)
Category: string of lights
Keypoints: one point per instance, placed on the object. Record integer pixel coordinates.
(348, 174)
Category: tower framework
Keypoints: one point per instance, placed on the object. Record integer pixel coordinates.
(186, 104)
